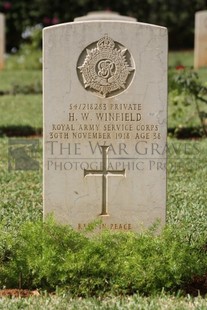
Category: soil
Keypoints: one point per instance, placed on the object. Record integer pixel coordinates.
(18, 293)
(197, 286)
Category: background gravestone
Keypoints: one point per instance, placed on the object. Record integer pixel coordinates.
(2, 40)
(105, 98)
(200, 52)
(104, 15)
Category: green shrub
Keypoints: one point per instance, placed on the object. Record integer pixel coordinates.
(188, 95)
(29, 55)
(47, 256)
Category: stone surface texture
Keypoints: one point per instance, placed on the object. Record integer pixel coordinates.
(200, 52)
(105, 114)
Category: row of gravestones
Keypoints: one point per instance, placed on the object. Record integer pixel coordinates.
(105, 122)
(200, 55)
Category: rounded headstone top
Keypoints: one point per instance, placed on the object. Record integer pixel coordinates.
(204, 12)
(104, 15)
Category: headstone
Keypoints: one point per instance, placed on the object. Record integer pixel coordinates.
(105, 111)
(104, 15)
(2, 40)
(200, 52)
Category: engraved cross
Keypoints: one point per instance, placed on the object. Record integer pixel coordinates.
(104, 173)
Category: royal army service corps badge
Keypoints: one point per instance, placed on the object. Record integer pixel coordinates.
(105, 68)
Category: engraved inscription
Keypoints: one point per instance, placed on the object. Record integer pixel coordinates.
(111, 121)
(107, 69)
(113, 226)
(105, 173)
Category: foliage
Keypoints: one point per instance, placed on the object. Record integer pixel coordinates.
(29, 55)
(173, 14)
(47, 255)
(189, 90)
(25, 59)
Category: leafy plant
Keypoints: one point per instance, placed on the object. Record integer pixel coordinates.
(48, 255)
(189, 90)
(29, 55)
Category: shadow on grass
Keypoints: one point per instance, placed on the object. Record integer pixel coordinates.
(26, 130)
(19, 131)
(186, 132)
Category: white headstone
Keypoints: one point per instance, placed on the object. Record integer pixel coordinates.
(200, 51)
(2, 40)
(105, 112)
(104, 15)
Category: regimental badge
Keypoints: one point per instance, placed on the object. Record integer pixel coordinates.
(106, 69)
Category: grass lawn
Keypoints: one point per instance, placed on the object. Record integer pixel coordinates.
(181, 58)
(21, 111)
(11, 78)
(21, 191)
(185, 58)
(135, 302)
